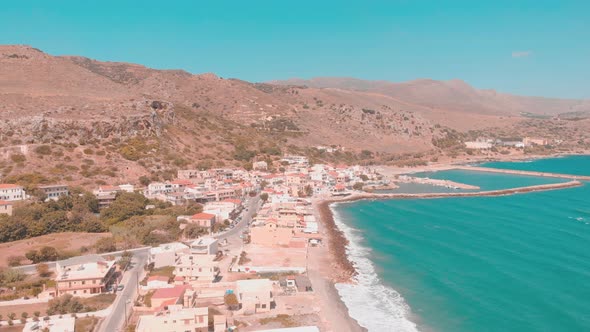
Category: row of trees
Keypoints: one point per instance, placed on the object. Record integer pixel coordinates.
(79, 213)
(72, 213)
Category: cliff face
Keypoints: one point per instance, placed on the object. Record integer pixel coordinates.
(112, 122)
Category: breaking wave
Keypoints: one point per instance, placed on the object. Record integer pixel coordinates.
(372, 304)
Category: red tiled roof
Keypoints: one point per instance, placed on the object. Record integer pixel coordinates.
(184, 182)
(108, 188)
(158, 278)
(167, 303)
(9, 186)
(235, 201)
(165, 293)
(203, 215)
(5, 203)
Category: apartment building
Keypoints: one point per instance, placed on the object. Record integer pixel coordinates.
(84, 275)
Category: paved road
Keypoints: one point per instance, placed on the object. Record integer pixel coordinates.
(116, 320)
(28, 269)
(253, 205)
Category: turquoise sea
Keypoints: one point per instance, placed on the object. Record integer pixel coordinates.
(506, 263)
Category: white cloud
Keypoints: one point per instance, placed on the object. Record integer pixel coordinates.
(521, 54)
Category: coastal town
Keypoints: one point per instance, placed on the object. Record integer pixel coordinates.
(184, 166)
(261, 254)
(253, 263)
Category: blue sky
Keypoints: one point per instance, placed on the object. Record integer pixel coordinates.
(522, 47)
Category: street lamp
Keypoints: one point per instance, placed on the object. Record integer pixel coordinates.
(125, 306)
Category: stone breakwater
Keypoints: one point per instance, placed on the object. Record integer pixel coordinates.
(436, 182)
(338, 241)
(529, 173)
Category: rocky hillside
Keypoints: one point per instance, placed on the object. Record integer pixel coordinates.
(77, 120)
(453, 95)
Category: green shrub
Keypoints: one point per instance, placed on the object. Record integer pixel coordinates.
(44, 150)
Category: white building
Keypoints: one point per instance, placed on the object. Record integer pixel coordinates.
(260, 165)
(166, 254)
(175, 319)
(478, 145)
(12, 192)
(204, 246)
(65, 324)
(196, 267)
(255, 295)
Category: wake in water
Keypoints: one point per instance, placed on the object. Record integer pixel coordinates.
(374, 305)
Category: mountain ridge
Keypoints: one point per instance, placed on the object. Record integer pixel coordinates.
(105, 122)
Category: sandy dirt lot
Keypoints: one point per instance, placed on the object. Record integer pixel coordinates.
(18, 309)
(69, 241)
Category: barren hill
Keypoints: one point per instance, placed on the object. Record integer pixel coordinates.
(77, 120)
(453, 95)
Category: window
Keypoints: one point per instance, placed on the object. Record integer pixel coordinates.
(264, 306)
(83, 282)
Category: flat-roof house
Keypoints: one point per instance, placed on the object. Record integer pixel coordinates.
(166, 254)
(219, 323)
(255, 295)
(64, 324)
(6, 207)
(175, 319)
(204, 246)
(12, 192)
(55, 191)
(156, 282)
(196, 267)
(84, 275)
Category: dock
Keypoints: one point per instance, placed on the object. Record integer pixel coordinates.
(520, 172)
(486, 193)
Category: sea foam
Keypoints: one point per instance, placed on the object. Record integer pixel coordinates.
(372, 304)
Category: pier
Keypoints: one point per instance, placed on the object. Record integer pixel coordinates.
(487, 193)
(529, 173)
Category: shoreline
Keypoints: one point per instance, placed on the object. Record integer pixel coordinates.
(342, 268)
(462, 162)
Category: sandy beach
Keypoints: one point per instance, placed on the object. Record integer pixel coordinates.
(328, 265)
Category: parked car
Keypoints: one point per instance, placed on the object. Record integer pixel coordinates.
(120, 288)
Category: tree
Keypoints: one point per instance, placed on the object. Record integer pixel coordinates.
(308, 190)
(125, 206)
(105, 244)
(358, 186)
(144, 180)
(48, 254)
(125, 260)
(65, 304)
(364, 177)
(231, 301)
(264, 197)
(43, 270)
(11, 275)
(192, 231)
(15, 260)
